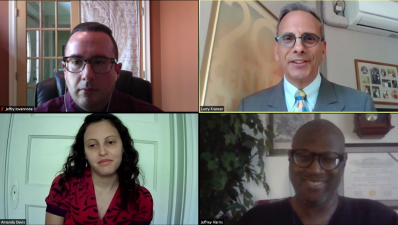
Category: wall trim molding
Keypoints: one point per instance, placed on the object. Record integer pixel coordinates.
(176, 141)
(184, 187)
(5, 119)
(191, 199)
(12, 55)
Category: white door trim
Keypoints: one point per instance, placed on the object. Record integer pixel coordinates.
(183, 205)
(5, 119)
(190, 213)
(12, 55)
(175, 121)
(146, 42)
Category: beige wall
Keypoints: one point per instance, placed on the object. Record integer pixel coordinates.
(4, 53)
(175, 54)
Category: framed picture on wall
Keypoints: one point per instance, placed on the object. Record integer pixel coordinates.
(379, 80)
(284, 128)
(238, 59)
(371, 172)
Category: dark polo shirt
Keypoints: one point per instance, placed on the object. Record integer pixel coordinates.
(120, 102)
(348, 211)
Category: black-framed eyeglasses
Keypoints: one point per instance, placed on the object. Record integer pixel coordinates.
(307, 39)
(99, 65)
(328, 160)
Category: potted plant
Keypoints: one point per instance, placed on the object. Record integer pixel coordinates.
(226, 163)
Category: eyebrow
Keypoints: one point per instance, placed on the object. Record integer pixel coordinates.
(94, 56)
(105, 138)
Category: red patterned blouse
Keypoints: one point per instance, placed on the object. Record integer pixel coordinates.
(77, 204)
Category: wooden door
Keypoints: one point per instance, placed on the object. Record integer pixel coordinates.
(43, 28)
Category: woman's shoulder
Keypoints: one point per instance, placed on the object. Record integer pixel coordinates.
(144, 193)
(56, 181)
(66, 182)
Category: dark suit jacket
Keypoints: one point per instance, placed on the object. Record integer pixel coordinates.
(331, 98)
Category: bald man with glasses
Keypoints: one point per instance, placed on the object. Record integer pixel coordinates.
(316, 167)
(300, 48)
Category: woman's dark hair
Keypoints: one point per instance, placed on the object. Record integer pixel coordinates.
(128, 170)
(96, 27)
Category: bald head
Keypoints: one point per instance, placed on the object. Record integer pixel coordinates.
(320, 132)
(319, 137)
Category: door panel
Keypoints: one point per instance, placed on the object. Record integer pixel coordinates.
(39, 146)
(38, 51)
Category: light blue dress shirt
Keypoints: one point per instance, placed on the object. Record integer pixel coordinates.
(311, 91)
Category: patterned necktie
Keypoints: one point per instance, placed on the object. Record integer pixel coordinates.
(300, 105)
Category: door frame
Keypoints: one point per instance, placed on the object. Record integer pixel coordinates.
(5, 119)
(12, 55)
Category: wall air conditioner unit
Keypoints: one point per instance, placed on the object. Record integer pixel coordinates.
(375, 17)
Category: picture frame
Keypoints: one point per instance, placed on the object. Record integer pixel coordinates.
(366, 148)
(237, 60)
(285, 127)
(379, 80)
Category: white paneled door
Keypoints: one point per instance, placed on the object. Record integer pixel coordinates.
(38, 145)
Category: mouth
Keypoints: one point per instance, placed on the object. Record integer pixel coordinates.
(299, 62)
(105, 161)
(314, 184)
(88, 89)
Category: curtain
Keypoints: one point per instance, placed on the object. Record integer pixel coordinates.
(123, 18)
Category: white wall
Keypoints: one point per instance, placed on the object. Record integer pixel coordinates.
(342, 46)
(346, 123)
(276, 167)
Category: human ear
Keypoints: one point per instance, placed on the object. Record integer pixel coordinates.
(276, 51)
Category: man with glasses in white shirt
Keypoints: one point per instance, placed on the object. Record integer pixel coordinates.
(300, 48)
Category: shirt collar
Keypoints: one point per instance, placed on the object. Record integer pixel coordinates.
(73, 107)
(311, 90)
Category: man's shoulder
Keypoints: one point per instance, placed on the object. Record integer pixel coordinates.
(366, 211)
(128, 103)
(260, 94)
(353, 99)
(363, 203)
(348, 92)
(53, 105)
(273, 213)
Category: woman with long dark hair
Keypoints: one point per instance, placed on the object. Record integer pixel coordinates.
(99, 182)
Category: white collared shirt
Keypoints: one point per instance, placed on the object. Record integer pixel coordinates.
(311, 91)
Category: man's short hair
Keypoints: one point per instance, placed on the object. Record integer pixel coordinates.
(95, 27)
(297, 6)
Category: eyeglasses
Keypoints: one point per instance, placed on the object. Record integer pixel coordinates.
(99, 65)
(328, 160)
(289, 40)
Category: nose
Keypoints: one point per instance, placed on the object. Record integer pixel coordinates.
(88, 73)
(102, 151)
(298, 46)
(315, 167)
